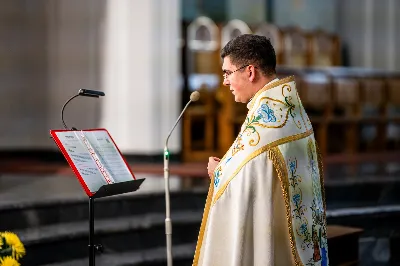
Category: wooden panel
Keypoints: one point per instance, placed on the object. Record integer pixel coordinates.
(315, 93)
(206, 62)
(274, 34)
(343, 245)
(394, 91)
(201, 113)
(373, 91)
(346, 92)
(324, 49)
(295, 48)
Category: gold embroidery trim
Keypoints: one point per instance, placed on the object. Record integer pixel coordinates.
(275, 155)
(203, 223)
(270, 86)
(300, 105)
(255, 154)
(321, 174)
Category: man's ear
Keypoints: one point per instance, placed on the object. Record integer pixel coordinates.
(252, 73)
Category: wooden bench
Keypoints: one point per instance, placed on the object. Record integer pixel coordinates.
(353, 111)
(343, 245)
(203, 39)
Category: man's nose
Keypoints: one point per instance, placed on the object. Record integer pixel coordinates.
(226, 82)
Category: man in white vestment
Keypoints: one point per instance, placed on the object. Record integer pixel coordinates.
(266, 202)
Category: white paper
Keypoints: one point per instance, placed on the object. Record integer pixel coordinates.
(106, 152)
(109, 156)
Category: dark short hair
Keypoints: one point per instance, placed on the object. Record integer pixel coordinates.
(250, 49)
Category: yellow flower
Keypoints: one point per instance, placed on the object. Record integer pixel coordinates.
(8, 261)
(12, 240)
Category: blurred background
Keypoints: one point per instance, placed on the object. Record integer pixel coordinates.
(148, 56)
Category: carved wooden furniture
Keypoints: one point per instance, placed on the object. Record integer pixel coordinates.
(296, 47)
(324, 49)
(203, 70)
(274, 34)
(352, 110)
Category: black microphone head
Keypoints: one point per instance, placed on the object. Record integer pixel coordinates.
(90, 93)
(195, 96)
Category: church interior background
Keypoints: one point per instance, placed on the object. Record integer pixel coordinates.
(148, 56)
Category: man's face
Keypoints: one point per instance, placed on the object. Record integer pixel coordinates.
(237, 78)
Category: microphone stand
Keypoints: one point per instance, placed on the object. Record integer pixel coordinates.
(168, 224)
(91, 246)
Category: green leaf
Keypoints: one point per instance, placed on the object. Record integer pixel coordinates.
(5, 252)
(251, 127)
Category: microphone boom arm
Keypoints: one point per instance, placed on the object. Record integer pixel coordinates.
(63, 108)
(81, 92)
(176, 123)
(168, 224)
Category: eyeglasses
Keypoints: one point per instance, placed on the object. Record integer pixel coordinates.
(228, 72)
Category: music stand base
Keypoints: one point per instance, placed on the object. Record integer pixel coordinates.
(106, 191)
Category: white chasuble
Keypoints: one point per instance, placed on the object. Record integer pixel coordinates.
(265, 205)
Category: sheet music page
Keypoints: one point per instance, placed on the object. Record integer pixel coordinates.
(82, 159)
(109, 155)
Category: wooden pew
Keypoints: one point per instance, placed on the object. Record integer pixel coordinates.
(392, 112)
(199, 128)
(324, 49)
(343, 105)
(315, 94)
(343, 245)
(201, 54)
(352, 110)
(295, 47)
(275, 35)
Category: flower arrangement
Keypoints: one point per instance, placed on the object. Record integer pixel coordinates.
(11, 249)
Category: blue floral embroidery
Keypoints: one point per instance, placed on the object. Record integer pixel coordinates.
(266, 113)
(294, 179)
(217, 175)
(262, 116)
(296, 198)
(303, 229)
(216, 182)
(293, 166)
(298, 208)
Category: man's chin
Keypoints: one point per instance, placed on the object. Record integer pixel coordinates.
(238, 100)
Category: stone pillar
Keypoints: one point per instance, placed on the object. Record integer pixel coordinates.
(23, 94)
(73, 58)
(391, 31)
(140, 74)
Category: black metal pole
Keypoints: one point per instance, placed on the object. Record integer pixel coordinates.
(92, 253)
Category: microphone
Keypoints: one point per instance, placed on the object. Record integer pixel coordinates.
(194, 96)
(90, 93)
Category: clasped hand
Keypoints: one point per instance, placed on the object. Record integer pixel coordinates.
(212, 164)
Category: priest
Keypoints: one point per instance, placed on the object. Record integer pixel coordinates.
(266, 202)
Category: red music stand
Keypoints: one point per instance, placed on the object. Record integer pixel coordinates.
(99, 166)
